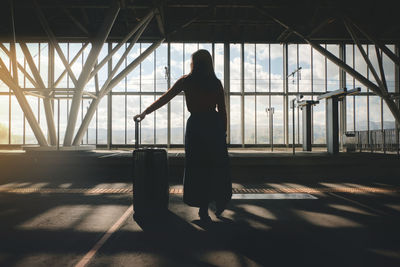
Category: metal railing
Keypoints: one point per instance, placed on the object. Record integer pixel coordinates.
(373, 141)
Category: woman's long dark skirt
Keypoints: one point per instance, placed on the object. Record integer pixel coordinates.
(207, 173)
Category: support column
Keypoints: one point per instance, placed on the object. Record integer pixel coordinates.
(286, 97)
(227, 88)
(50, 87)
(109, 104)
(397, 91)
(342, 103)
(48, 109)
(270, 112)
(332, 116)
(169, 103)
(306, 111)
(242, 93)
(306, 120)
(86, 70)
(332, 125)
(107, 87)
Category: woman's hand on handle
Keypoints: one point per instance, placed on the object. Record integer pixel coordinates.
(139, 117)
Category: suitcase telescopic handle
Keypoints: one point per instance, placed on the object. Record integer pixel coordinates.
(137, 137)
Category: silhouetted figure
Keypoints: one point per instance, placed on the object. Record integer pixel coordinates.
(207, 174)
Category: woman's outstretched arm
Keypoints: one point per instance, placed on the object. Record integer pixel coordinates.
(221, 105)
(164, 99)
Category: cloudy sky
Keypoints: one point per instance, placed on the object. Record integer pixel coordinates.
(263, 64)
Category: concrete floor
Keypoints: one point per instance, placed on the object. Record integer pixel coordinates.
(55, 220)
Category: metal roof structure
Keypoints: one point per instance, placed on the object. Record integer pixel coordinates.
(203, 20)
(127, 22)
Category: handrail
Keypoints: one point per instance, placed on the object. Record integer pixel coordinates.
(386, 140)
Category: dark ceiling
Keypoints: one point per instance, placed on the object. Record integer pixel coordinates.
(203, 20)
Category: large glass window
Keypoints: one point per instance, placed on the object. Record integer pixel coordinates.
(278, 125)
(374, 113)
(276, 57)
(305, 77)
(4, 119)
(332, 70)
(249, 68)
(293, 64)
(262, 68)
(219, 61)
(319, 133)
(235, 67)
(360, 65)
(250, 119)
(256, 82)
(318, 72)
(262, 120)
(235, 123)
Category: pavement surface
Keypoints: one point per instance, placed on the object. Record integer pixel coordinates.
(269, 224)
(308, 210)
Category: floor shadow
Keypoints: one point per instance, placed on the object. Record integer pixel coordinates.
(164, 222)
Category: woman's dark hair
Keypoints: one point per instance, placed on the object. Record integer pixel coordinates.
(202, 66)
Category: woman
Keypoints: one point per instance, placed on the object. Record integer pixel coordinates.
(207, 175)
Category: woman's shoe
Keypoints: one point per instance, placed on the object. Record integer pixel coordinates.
(219, 208)
(218, 212)
(204, 217)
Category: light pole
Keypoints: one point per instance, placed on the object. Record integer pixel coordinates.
(293, 106)
(270, 112)
(167, 77)
(292, 102)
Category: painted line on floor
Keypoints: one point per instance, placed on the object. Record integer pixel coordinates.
(109, 155)
(86, 259)
(359, 204)
(273, 196)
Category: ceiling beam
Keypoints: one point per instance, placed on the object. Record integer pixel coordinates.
(190, 21)
(363, 80)
(75, 21)
(377, 42)
(53, 41)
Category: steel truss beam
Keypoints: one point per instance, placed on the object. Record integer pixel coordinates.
(75, 21)
(20, 67)
(381, 89)
(46, 101)
(144, 21)
(160, 20)
(53, 41)
(70, 64)
(89, 70)
(191, 21)
(26, 108)
(106, 89)
(383, 47)
(353, 35)
(381, 69)
(109, 83)
(355, 74)
(97, 44)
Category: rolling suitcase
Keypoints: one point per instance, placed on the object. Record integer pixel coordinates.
(150, 181)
